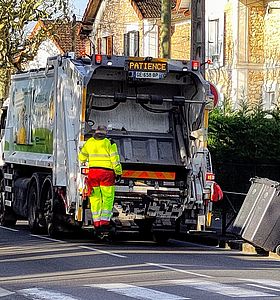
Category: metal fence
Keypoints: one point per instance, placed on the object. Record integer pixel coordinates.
(234, 179)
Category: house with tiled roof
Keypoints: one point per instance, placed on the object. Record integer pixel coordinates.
(132, 27)
(61, 38)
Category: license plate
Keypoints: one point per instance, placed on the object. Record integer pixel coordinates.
(149, 75)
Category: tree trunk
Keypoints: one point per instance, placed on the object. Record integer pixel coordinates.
(165, 28)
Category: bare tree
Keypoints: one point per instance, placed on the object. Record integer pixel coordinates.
(16, 48)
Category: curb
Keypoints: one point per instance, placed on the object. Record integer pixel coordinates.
(248, 248)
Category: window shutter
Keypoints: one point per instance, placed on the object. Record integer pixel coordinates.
(126, 44)
(99, 45)
(109, 45)
(136, 43)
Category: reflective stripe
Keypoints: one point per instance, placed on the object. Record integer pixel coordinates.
(149, 175)
(106, 211)
(83, 153)
(103, 160)
(116, 163)
(96, 218)
(95, 213)
(114, 154)
(104, 218)
(99, 155)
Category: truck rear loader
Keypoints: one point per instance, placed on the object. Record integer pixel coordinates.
(157, 113)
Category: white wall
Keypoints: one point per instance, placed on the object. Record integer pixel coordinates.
(47, 48)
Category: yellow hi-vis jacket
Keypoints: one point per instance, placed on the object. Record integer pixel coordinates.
(101, 154)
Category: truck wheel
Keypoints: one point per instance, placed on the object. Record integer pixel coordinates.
(47, 199)
(160, 237)
(7, 216)
(33, 211)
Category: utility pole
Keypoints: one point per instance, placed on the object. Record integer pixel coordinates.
(165, 28)
(198, 30)
(74, 33)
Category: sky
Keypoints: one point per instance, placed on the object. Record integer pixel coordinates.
(79, 7)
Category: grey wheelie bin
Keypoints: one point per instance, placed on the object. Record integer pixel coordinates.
(258, 220)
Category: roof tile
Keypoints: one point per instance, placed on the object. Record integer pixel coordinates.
(63, 36)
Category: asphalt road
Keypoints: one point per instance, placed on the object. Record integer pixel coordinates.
(36, 267)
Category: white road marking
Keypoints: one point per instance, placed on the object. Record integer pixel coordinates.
(179, 270)
(219, 288)
(263, 287)
(103, 251)
(136, 292)
(4, 292)
(82, 247)
(267, 282)
(7, 228)
(46, 238)
(41, 294)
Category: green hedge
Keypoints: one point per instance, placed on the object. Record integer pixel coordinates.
(243, 145)
(245, 136)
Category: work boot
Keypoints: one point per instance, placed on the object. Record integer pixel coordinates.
(105, 237)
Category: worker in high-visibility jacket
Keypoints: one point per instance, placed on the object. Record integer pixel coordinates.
(104, 170)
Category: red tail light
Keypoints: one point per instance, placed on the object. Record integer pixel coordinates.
(98, 59)
(210, 177)
(195, 65)
(85, 171)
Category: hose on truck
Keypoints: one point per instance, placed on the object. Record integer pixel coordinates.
(101, 108)
(154, 110)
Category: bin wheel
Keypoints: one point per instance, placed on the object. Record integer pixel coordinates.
(277, 250)
(261, 251)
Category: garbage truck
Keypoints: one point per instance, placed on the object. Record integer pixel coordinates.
(156, 111)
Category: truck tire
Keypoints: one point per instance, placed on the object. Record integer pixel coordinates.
(7, 216)
(48, 201)
(33, 209)
(160, 237)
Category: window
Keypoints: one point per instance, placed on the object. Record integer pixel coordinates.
(150, 40)
(131, 43)
(213, 40)
(105, 45)
(269, 101)
(270, 95)
(109, 45)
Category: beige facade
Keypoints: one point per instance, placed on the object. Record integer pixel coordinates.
(251, 53)
(113, 19)
(242, 39)
(180, 40)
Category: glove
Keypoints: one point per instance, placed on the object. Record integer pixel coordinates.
(118, 178)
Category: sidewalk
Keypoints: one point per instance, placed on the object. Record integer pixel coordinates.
(248, 248)
(228, 241)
